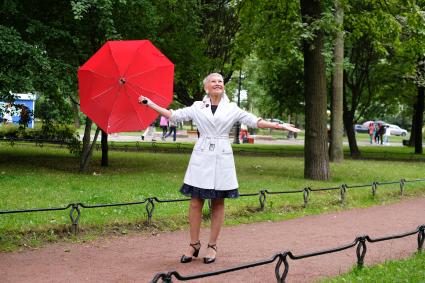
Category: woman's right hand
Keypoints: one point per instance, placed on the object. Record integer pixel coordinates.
(144, 100)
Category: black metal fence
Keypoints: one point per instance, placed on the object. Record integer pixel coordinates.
(131, 146)
(40, 142)
(75, 211)
(282, 258)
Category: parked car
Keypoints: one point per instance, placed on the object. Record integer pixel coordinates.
(396, 130)
(358, 128)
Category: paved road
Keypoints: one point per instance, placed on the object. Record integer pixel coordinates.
(137, 258)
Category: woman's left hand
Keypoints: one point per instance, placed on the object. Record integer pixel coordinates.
(288, 127)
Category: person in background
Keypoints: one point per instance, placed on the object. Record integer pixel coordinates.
(244, 133)
(150, 131)
(387, 135)
(7, 114)
(376, 133)
(381, 132)
(172, 129)
(211, 173)
(371, 132)
(163, 124)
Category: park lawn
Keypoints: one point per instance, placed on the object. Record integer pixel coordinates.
(47, 177)
(406, 270)
(377, 152)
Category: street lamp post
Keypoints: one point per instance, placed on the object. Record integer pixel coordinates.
(238, 125)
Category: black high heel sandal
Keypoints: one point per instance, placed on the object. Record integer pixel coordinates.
(196, 247)
(208, 260)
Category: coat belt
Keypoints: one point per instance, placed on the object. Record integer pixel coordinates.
(208, 141)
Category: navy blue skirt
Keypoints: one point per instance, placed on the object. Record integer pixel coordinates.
(195, 192)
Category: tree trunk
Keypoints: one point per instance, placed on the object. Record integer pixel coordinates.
(413, 127)
(75, 112)
(351, 134)
(104, 143)
(418, 122)
(316, 158)
(87, 148)
(336, 151)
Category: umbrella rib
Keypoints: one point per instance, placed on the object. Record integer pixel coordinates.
(103, 92)
(132, 104)
(144, 72)
(113, 58)
(99, 75)
(134, 56)
(152, 92)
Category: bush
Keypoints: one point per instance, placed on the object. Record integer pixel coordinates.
(9, 131)
(49, 132)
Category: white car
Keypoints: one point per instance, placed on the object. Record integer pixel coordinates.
(396, 130)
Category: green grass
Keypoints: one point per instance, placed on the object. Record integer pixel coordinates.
(407, 270)
(32, 177)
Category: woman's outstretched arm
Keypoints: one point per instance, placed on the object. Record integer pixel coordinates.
(266, 124)
(149, 103)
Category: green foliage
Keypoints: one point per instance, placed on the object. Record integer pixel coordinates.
(276, 61)
(406, 270)
(49, 132)
(21, 63)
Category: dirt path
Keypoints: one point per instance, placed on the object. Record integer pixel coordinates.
(138, 258)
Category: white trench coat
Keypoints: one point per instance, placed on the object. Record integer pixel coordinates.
(211, 165)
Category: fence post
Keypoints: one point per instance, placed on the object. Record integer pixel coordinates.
(421, 237)
(154, 146)
(402, 182)
(343, 190)
(150, 206)
(74, 207)
(361, 251)
(306, 195)
(262, 199)
(374, 188)
(282, 258)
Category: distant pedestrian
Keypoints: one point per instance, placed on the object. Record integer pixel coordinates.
(150, 131)
(163, 124)
(371, 132)
(376, 133)
(7, 114)
(381, 132)
(387, 135)
(172, 128)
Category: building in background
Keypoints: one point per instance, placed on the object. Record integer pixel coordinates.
(10, 113)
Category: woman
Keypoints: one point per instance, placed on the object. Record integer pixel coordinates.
(172, 130)
(211, 172)
(163, 124)
(371, 132)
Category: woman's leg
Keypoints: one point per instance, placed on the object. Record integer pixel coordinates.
(217, 219)
(195, 217)
(174, 133)
(169, 132)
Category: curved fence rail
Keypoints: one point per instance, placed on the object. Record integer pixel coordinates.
(149, 202)
(40, 142)
(178, 147)
(281, 272)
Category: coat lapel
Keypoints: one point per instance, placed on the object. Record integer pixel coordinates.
(207, 110)
(221, 107)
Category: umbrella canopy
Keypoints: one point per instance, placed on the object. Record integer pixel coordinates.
(367, 123)
(111, 81)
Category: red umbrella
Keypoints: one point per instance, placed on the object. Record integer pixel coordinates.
(111, 81)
